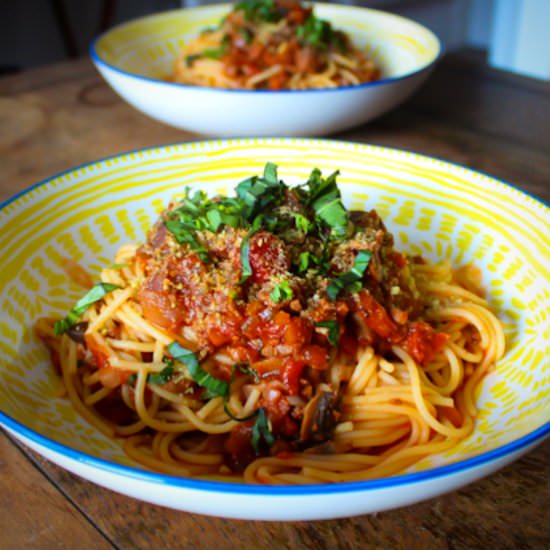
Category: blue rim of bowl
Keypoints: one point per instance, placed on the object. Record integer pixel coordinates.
(99, 61)
(531, 438)
(517, 445)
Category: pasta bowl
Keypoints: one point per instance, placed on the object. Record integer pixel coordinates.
(436, 209)
(136, 59)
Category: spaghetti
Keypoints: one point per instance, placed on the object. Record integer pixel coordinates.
(273, 44)
(276, 337)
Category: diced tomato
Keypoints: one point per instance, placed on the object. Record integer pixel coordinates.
(398, 259)
(238, 445)
(255, 51)
(375, 316)
(225, 331)
(314, 356)
(277, 81)
(242, 354)
(298, 331)
(278, 408)
(285, 455)
(290, 375)
(112, 377)
(267, 256)
(218, 337)
(100, 353)
(349, 344)
(272, 364)
(281, 319)
(422, 342)
(298, 15)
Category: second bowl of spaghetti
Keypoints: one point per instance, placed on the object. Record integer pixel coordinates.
(266, 68)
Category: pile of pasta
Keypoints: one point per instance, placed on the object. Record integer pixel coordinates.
(215, 350)
(273, 44)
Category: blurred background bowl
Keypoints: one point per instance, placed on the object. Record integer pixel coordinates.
(137, 57)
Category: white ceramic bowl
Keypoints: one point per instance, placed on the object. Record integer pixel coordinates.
(434, 208)
(136, 57)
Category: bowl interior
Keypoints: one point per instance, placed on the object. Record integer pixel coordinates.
(148, 46)
(436, 209)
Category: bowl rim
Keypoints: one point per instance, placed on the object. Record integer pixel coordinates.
(517, 445)
(241, 488)
(102, 63)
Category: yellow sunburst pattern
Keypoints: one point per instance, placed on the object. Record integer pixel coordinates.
(436, 209)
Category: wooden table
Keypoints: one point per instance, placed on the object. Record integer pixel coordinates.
(56, 117)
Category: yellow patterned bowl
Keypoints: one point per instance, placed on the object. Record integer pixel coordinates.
(135, 58)
(437, 209)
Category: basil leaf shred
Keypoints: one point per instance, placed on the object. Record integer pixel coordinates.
(333, 331)
(215, 387)
(281, 292)
(91, 297)
(261, 431)
(350, 280)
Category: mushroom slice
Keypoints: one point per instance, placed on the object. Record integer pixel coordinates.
(319, 419)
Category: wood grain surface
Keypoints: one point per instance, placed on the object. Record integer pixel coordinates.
(57, 117)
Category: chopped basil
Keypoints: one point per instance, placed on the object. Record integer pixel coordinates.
(259, 193)
(162, 377)
(333, 331)
(269, 222)
(249, 371)
(209, 53)
(93, 295)
(261, 10)
(325, 199)
(261, 431)
(184, 236)
(281, 292)
(304, 261)
(318, 33)
(350, 280)
(214, 386)
(198, 212)
(246, 268)
(158, 378)
(270, 173)
(244, 369)
(190, 59)
(214, 53)
(236, 418)
(246, 34)
(302, 223)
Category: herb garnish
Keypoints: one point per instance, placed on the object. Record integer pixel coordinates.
(93, 295)
(325, 199)
(214, 386)
(158, 378)
(281, 292)
(262, 10)
(162, 377)
(333, 331)
(350, 280)
(261, 431)
(319, 34)
(246, 268)
(197, 212)
(210, 53)
(302, 223)
(259, 193)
